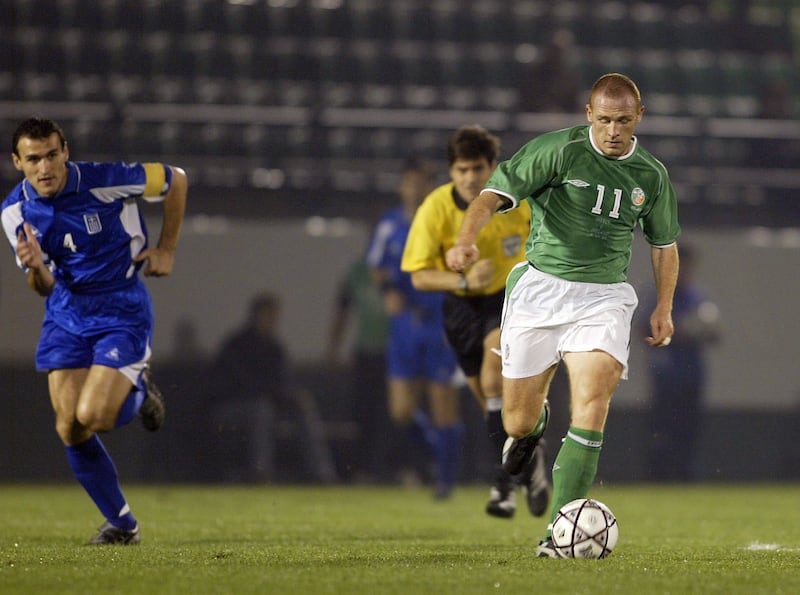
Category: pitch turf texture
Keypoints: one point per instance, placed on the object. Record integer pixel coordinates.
(277, 539)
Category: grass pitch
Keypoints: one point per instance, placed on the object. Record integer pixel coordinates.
(276, 539)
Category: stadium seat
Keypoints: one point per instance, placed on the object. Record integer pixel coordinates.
(411, 22)
(9, 90)
(141, 140)
(380, 95)
(91, 87)
(698, 72)
(89, 140)
(169, 89)
(417, 63)
(651, 26)
(369, 20)
(35, 86)
(490, 21)
(338, 94)
(531, 22)
(451, 21)
(460, 98)
(296, 93)
(114, 52)
(253, 91)
(291, 58)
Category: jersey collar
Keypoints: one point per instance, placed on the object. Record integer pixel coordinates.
(634, 142)
(460, 202)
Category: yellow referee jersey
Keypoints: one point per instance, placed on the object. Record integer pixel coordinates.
(436, 226)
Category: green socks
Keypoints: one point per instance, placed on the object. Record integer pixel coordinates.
(575, 467)
(541, 425)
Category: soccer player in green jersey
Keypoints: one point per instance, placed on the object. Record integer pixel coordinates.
(588, 187)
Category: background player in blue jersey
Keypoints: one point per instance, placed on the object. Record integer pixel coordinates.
(678, 376)
(419, 359)
(78, 234)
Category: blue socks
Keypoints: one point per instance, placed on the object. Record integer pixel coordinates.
(443, 444)
(446, 453)
(130, 407)
(422, 430)
(96, 472)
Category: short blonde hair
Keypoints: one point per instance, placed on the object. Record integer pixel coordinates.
(615, 84)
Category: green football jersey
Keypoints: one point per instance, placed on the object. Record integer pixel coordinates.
(585, 206)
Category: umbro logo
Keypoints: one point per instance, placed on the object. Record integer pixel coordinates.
(578, 183)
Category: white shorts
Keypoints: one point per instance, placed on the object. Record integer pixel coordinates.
(546, 316)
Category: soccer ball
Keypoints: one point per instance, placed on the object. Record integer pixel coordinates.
(585, 528)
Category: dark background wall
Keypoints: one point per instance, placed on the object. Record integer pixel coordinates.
(293, 119)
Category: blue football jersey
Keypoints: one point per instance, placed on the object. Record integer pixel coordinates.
(90, 233)
(386, 252)
(92, 229)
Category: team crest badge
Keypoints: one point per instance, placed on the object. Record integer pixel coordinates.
(511, 245)
(92, 221)
(637, 197)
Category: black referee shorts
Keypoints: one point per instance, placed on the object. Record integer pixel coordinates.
(467, 321)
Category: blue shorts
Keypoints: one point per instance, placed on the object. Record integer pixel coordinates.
(419, 349)
(113, 329)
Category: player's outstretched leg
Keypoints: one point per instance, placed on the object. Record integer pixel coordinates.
(518, 453)
(96, 472)
(535, 481)
(502, 499)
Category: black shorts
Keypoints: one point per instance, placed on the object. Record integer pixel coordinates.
(467, 321)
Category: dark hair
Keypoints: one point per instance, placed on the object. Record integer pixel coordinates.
(420, 167)
(473, 142)
(36, 128)
(615, 84)
(265, 300)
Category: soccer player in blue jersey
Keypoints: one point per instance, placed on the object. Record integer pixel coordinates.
(588, 187)
(420, 362)
(77, 232)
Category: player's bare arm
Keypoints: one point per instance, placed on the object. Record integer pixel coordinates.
(161, 259)
(29, 251)
(479, 212)
(477, 277)
(665, 271)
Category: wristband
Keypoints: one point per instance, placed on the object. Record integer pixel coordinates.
(462, 283)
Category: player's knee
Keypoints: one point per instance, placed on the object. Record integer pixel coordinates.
(516, 425)
(590, 414)
(65, 431)
(71, 432)
(94, 421)
(402, 416)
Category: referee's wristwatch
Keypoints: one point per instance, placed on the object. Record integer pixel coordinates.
(462, 283)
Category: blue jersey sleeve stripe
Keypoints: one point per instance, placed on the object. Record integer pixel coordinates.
(112, 193)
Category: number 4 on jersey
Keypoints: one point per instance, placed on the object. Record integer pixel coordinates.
(69, 243)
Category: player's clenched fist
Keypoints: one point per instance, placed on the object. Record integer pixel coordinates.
(462, 256)
(28, 249)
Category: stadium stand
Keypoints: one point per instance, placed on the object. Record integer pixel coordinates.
(326, 80)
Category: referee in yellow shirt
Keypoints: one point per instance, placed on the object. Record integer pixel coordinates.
(474, 300)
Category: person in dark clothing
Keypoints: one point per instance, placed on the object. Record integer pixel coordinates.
(256, 404)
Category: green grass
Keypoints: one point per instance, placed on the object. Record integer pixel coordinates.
(201, 539)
